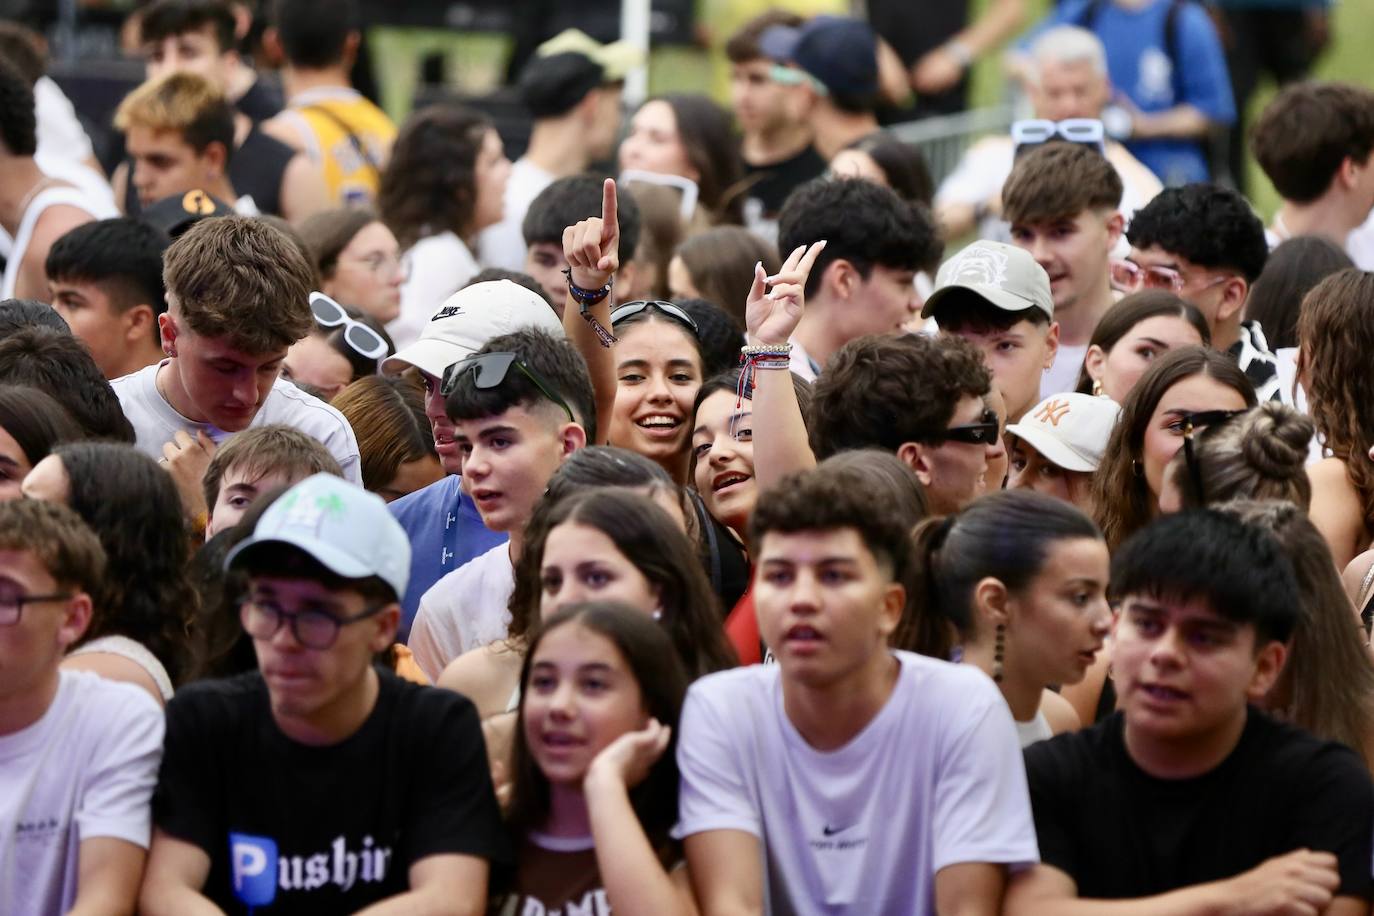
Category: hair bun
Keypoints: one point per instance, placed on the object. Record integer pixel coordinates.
(1276, 441)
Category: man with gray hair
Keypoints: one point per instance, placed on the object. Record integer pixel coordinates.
(1066, 79)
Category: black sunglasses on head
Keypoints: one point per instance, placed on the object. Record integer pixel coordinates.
(1194, 421)
(620, 313)
(489, 370)
(984, 432)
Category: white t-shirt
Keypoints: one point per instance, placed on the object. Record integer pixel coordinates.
(465, 609)
(935, 779)
(156, 422)
(86, 769)
(440, 265)
(1360, 244)
(1062, 377)
(503, 245)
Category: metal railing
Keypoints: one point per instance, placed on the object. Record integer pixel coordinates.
(943, 140)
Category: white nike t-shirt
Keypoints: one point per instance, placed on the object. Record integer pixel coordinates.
(936, 779)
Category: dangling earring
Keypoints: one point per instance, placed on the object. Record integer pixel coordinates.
(999, 650)
(1097, 388)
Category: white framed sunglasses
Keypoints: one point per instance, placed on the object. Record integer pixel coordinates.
(361, 339)
(1035, 131)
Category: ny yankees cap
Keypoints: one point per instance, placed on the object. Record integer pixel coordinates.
(1004, 275)
(1069, 430)
(342, 526)
(468, 319)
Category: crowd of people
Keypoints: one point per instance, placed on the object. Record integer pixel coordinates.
(707, 513)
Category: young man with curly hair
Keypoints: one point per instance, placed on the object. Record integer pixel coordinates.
(1205, 244)
(862, 281)
(921, 398)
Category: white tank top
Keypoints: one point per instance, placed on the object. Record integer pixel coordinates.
(135, 652)
(48, 197)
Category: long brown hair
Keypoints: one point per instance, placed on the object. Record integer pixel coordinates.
(1131, 311)
(1327, 685)
(662, 689)
(1336, 337)
(1122, 501)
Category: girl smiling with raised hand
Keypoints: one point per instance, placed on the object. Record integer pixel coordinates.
(595, 773)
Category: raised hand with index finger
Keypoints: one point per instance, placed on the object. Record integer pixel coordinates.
(592, 246)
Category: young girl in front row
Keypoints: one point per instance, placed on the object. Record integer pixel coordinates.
(595, 774)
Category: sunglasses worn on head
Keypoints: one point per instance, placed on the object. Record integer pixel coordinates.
(361, 339)
(1191, 422)
(984, 432)
(620, 313)
(489, 370)
(1036, 131)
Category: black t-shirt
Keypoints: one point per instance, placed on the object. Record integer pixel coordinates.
(1121, 833)
(772, 182)
(296, 829)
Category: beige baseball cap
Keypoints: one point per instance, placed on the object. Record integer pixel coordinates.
(471, 317)
(1004, 275)
(1069, 430)
(616, 59)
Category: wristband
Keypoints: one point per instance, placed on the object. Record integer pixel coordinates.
(585, 299)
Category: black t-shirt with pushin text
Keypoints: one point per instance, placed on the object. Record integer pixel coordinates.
(291, 828)
(1121, 833)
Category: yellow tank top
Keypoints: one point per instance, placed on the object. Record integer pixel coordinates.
(350, 138)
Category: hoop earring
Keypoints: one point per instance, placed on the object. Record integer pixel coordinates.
(999, 651)
(1137, 469)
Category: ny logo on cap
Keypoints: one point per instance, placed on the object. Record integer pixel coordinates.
(977, 264)
(1052, 412)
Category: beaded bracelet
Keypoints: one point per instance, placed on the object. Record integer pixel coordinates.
(585, 299)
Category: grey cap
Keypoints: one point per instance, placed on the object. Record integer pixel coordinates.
(1003, 275)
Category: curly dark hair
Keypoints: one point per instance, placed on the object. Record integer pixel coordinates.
(882, 391)
(18, 124)
(822, 500)
(1211, 226)
(429, 185)
(1122, 502)
(133, 507)
(1336, 336)
(862, 223)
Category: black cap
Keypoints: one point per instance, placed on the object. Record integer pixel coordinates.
(552, 86)
(175, 214)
